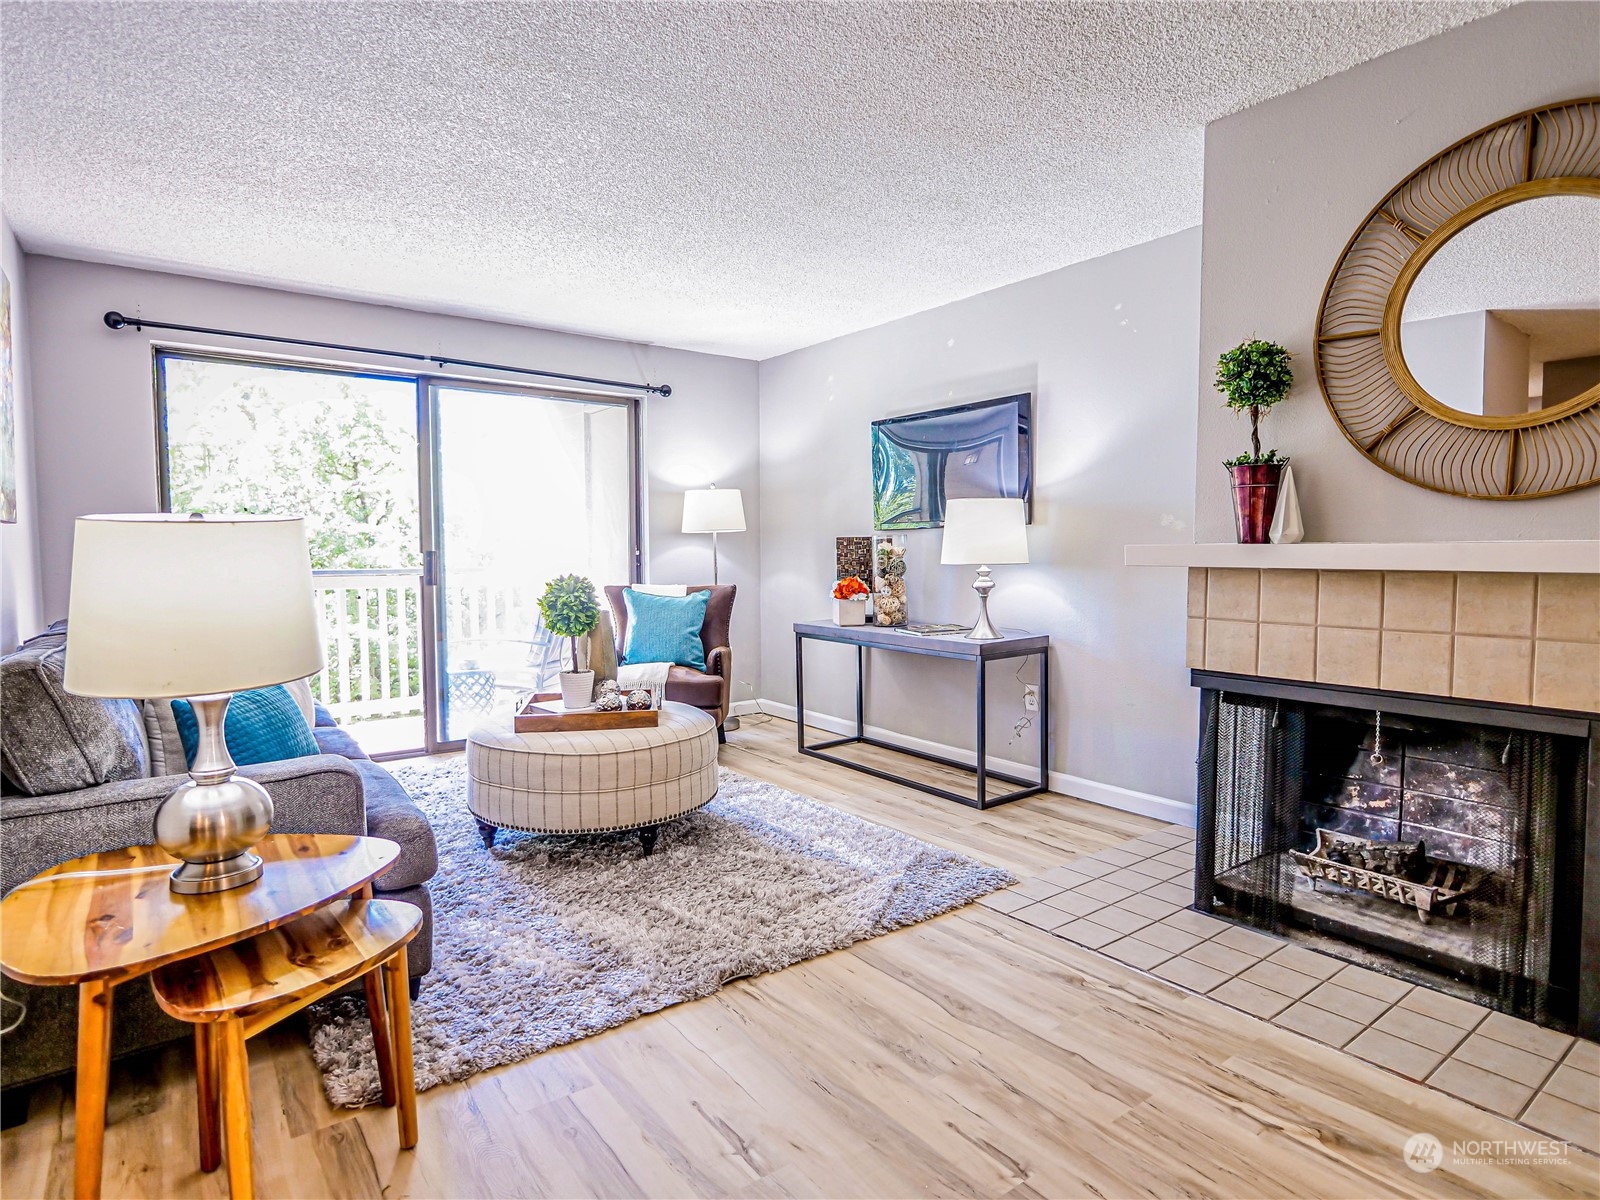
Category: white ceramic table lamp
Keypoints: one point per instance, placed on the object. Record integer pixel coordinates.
(713, 510)
(168, 607)
(980, 532)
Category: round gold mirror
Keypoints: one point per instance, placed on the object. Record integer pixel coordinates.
(1459, 336)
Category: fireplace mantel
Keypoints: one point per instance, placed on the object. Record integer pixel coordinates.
(1545, 557)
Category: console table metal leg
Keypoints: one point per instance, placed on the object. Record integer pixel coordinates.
(860, 709)
(800, 691)
(983, 733)
(1044, 719)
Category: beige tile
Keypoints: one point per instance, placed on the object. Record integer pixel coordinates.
(1120, 919)
(1347, 656)
(1196, 653)
(1307, 962)
(1575, 1087)
(1197, 591)
(1497, 605)
(1231, 646)
(1006, 901)
(1042, 916)
(1462, 1013)
(1252, 998)
(1174, 941)
(1523, 1067)
(1318, 1023)
(1117, 856)
(1248, 941)
(1197, 977)
(1491, 668)
(1346, 1003)
(1424, 1031)
(1370, 983)
(1148, 907)
(1093, 868)
(1064, 876)
(1289, 597)
(1280, 979)
(1175, 891)
(1101, 889)
(1287, 651)
(1483, 1088)
(1074, 904)
(1419, 601)
(1415, 662)
(1553, 1115)
(1135, 953)
(1567, 675)
(1219, 958)
(1196, 923)
(1569, 608)
(1087, 933)
(1585, 1055)
(1233, 594)
(1525, 1035)
(1036, 889)
(1397, 1054)
(1350, 599)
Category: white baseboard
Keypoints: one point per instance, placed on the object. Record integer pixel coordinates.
(1108, 794)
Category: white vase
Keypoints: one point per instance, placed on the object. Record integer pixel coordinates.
(850, 612)
(577, 689)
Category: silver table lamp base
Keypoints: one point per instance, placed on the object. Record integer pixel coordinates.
(213, 818)
(984, 630)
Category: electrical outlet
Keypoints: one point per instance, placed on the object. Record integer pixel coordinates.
(1030, 697)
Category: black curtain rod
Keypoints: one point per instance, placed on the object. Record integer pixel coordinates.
(115, 320)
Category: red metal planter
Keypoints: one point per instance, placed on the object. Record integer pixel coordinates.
(1255, 499)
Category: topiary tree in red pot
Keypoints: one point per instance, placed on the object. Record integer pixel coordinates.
(1254, 376)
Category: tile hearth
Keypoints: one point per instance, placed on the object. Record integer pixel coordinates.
(1131, 903)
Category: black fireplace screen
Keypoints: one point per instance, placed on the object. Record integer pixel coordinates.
(1424, 847)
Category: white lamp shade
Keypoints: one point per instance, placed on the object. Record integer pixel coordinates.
(166, 606)
(713, 510)
(984, 531)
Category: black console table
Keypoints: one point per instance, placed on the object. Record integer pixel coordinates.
(979, 653)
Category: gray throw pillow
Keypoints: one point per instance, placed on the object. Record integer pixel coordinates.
(52, 741)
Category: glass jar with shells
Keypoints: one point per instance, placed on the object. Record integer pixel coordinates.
(889, 579)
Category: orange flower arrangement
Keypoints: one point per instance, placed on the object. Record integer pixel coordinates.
(849, 588)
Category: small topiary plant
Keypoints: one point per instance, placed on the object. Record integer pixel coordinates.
(570, 609)
(1254, 376)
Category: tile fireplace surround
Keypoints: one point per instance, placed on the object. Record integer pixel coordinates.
(1509, 638)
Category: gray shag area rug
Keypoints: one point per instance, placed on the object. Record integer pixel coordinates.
(545, 940)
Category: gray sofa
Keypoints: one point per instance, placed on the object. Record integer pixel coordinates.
(338, 791)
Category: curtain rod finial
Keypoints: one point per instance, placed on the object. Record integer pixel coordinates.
(115, 320)
(664, 390)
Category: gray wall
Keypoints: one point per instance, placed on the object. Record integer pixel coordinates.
(1108, 347)
(95, 436)
(1287, 182)
(21, 599)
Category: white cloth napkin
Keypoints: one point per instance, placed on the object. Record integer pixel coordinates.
(1287, 527)
(642, 675)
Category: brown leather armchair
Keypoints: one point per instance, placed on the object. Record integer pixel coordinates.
(709, 689)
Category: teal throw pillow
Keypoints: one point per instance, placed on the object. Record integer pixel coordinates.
(261, 726)
(665, 628)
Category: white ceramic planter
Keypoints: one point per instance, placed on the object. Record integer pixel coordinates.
(577, 689)
(850, 612)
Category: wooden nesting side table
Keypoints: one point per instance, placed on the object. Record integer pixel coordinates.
(106, 918)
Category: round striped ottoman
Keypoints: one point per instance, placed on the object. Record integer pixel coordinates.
(593, 781)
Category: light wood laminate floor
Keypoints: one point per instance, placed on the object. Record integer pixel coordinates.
(971, 1055)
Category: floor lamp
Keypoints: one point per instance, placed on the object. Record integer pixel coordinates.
(714, 510)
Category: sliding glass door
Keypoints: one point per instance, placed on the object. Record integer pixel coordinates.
(340, 449)
(437, 511)
(527, 486)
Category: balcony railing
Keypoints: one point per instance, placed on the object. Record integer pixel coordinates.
(372, 621)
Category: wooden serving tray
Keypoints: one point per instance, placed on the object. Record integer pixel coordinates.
(543, 714)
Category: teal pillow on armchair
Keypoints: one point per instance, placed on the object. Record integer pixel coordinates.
(264, 725)
(665, 629)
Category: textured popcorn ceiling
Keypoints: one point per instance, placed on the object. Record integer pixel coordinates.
(743, 178)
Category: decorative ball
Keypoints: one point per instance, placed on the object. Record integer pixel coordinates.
(609, 701)
(638, 698)
(608, 686)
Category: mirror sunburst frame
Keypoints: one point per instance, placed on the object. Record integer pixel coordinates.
(1381, 408)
